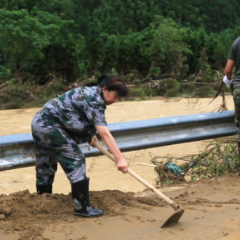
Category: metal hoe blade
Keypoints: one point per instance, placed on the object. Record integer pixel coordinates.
(173, 219)
(176, 216)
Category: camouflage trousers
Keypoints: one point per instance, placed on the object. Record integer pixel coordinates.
(236, 99)
(54, 145)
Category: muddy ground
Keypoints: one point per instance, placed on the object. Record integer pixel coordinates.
(130, 211)
(211, 212)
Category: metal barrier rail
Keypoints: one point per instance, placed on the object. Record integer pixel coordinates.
(17, 151)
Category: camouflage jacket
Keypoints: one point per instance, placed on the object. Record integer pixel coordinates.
(76, 111)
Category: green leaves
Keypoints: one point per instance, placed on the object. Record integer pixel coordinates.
(73, 38)
(23, 36)
(166, 45)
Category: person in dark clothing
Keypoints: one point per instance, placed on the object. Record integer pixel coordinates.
(234, 81)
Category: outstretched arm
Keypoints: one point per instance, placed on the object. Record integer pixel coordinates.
(111, 144)
(229, 68)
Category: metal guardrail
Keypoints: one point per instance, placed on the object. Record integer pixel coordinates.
(17, 151)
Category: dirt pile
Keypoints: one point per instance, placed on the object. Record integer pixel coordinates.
(29, 214)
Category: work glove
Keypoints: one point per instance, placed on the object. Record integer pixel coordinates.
(227, 81)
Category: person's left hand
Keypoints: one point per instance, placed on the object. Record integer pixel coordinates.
(122, 165)
(227, 81)
(93, 139)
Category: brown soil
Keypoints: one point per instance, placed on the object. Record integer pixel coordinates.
(130, 211)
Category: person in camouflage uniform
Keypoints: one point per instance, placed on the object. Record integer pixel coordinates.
(66, 121)
(234, 62)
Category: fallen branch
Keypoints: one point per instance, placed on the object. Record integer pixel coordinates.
(3, 85)
(223, 107)
(146, 164)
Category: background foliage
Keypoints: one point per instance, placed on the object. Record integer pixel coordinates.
(74, 40)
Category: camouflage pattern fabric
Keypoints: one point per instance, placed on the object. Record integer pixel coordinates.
(60, 126)
(236, 98)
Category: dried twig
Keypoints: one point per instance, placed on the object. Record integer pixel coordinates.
(3, 85)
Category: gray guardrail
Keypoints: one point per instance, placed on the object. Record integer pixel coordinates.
(17, 151)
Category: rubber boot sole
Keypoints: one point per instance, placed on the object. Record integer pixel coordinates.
(87, 215)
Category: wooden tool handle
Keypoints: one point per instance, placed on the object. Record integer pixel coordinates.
(146, 164)
(133, 174)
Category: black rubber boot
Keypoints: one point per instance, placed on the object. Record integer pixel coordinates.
(80, 195)
(44, 189)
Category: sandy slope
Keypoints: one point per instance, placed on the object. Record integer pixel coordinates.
(211, 206)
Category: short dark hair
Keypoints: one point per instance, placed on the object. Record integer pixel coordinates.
(111, 83)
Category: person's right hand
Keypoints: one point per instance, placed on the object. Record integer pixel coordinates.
(227, 81)
(122, 165)
(93, 139)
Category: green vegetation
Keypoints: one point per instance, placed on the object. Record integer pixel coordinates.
(220, 157)
(71, 41)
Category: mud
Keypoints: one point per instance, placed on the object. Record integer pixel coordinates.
(211, 212)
